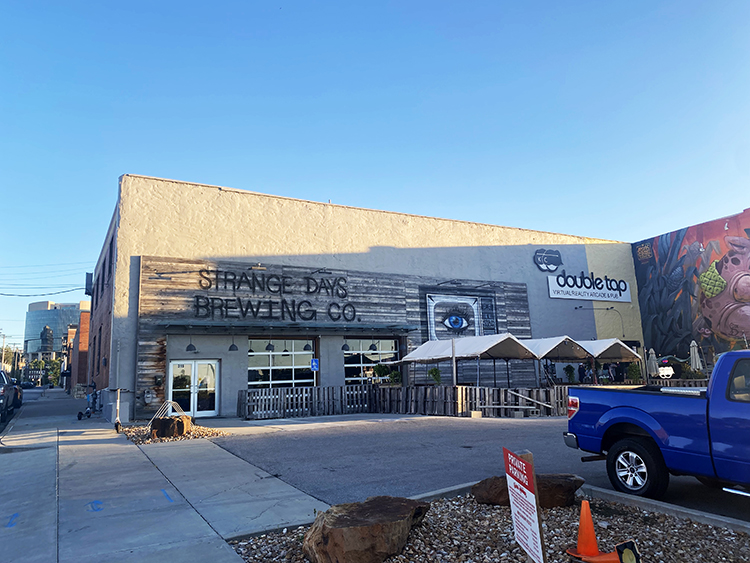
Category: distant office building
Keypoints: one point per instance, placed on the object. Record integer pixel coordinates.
(47, 327)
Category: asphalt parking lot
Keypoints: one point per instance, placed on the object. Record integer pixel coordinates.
(348, 462)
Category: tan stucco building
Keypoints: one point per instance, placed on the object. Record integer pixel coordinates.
(201, 291)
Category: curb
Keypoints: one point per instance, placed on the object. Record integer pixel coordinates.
(449, 492)
(668, 509)
(614, 496)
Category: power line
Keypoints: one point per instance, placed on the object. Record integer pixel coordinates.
(4, 285)
(42, 294)
(48, 265)
(43, 272)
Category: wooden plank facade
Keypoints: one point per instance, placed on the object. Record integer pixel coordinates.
(248, 299)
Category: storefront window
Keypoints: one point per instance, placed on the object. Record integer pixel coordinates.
(287, 365)
(360, 360)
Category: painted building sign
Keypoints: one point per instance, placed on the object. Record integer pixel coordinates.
(270, 296)
(548, 260)
(223, 293)
(589, 287)
(694, 284)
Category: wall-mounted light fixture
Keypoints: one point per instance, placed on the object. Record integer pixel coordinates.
(190, 347)
(269, 346)
(233, 347)
(345, 347)
(622, 323)
(307, 347)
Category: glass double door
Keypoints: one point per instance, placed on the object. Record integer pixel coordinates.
(194, 385)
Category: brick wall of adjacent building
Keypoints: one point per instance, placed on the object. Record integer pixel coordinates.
(80, 352)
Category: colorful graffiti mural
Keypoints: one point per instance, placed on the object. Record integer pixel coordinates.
(694, 284)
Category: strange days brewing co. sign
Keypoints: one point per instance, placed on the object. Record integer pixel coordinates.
(523, 505)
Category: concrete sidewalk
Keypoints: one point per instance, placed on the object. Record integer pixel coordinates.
(84, 493)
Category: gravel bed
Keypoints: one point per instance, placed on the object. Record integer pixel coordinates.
(461, 530)
(141, 434)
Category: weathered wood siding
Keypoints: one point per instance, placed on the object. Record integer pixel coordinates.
(185, 295)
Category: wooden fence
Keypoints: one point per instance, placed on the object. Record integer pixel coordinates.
(290, 402)
(435, 400)
(680, 382)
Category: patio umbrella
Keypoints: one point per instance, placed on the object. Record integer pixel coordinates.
(652, 366)
(695, 360)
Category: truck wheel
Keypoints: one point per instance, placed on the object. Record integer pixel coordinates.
(636, 466)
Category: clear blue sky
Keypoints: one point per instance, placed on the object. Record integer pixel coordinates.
(618, 120)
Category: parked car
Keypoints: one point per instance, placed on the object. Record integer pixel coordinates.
(18, 401)
(647, 433)
(27, 385)
(7, 397)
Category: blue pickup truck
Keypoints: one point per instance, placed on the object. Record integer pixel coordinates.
(647, 433)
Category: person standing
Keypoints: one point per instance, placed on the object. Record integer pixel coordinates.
(581, 373)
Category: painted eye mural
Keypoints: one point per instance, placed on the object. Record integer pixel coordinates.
(451, 316)
(455, 322)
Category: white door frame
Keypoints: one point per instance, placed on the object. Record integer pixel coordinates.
(194, 386)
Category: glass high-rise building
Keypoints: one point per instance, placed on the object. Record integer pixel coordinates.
(56, 316)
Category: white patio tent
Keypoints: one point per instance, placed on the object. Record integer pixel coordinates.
(507, 347)
(557, 348)
(609, 350)
(490, 347)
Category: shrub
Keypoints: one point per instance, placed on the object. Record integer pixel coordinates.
(634, 372)
(434, 373)
(570, 373)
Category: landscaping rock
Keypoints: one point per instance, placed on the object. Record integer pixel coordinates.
(170, 426)
(363, 532)
(554, 489)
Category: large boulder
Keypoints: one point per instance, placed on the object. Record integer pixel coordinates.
(363, 532)
(553, 489)
(171, 426)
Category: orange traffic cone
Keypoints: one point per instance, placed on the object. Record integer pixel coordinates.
(587, 546)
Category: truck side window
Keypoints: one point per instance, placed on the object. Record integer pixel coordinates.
(739, 382)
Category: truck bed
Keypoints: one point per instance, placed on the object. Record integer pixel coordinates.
(674, 417)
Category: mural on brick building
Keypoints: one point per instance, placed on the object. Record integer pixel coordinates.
(694, 284)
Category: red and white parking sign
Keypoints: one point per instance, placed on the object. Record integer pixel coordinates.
(523, 505)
